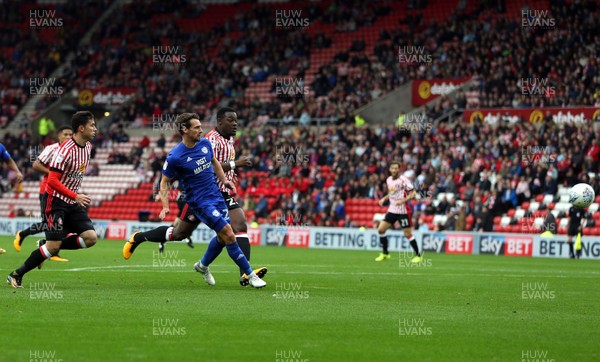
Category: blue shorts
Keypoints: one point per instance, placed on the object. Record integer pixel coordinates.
(215, 214)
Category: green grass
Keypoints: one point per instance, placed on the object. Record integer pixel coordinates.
(348, 308)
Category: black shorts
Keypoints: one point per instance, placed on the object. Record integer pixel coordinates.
(186, 213)
(403, 219)
(230, 201)
(573, 231)
(42, 205)
(61, 218)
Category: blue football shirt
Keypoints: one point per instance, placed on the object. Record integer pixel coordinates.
(193, 168)
(4, 155)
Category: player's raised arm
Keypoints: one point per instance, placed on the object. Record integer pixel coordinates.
(39, 167)
(221, 175)
(4, 155)
(411, 195)
(384, 199)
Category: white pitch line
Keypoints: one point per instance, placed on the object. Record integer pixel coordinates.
(151, 269)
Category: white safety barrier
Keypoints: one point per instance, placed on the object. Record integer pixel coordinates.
(519, 245)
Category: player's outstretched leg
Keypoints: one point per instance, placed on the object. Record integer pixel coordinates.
(158, 235)
(413, 243)
(383, 240)
(212, 252)
(244, 244)
(235, 253)
(36, 258)
(190, 243)
(22, 234)
(385, 254)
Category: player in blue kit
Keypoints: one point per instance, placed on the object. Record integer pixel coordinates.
(192, 161)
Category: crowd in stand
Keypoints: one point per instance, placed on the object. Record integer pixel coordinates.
(27, 55)
(498, 50)
(491, 167)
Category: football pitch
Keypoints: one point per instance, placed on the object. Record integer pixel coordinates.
(319, 305)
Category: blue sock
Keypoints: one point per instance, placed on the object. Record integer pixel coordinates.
(236, 254)
(213, 250)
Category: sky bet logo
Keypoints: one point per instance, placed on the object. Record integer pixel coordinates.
(491, 245)
(434, 242)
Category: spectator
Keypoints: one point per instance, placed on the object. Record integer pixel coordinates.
(461, 220)
(161, 142)
(262, 207)
(450, 223)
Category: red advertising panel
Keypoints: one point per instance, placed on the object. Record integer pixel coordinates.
(426, 90)
(298, 238)
(459, 244)
(116, 231)
(104, 96)
(254, 236)
(532, 115)
(518, 246)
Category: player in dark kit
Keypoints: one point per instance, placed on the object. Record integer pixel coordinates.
(221, 139)
(193, 163)
(574, 227)
(41, 165)
(67, 223)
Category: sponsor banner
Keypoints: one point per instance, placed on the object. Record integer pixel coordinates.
(254, 236)
(116, 231)
(516, 245)
(298, 238)
(491, 244)
(274, 236)
(434, 242)
(101, 228)
(339, 238)
(557, 247)
(532, 115)
(202, 234)
(459, 244)
(104, 96)
(426, 90)
(355, 239)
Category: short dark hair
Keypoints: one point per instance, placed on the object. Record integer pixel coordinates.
(62, 128)
(395, 163)
(221, 112)
(80, 118)
(185, 120)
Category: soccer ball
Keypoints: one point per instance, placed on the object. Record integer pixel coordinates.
(581, 195)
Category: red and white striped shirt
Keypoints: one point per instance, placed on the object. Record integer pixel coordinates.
(224, 152)
(398, 189)
(70, 161)
(45, 158)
